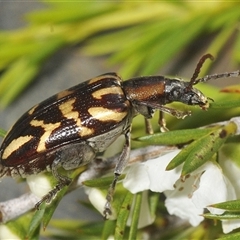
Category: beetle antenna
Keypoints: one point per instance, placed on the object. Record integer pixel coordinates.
(219, 75)
(194, 79)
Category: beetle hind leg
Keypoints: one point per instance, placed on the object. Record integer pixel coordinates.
(62, 182)
(50, 195)
(70, 157)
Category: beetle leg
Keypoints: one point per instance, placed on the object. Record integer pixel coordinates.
(148, 125)
(51, 194)
(121, 164)
(160, 107)
(77, 154)
(162, 122)
(62, 182)
(174, 112)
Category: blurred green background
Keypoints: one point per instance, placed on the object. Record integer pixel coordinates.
(138, 37)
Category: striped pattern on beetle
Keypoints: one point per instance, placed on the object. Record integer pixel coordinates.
(68, 129)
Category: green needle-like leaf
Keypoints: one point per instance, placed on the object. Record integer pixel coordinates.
(175, 137)
(224, 216)
(36, 221)
(108, 229)
(206, 147)
(103, 182)
(229, 205)
(182, 156)
(233, 236)
(123, 216)
(50, 209)
(135, 216)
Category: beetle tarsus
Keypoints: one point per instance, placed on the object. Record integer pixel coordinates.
(108, 208)
(52, 194)
(162, 122)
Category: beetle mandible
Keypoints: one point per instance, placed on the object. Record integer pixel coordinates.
(68, 129)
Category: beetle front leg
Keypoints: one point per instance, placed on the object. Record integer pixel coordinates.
(121, 164)
(147, 109)
(174, 112)
(162, 122)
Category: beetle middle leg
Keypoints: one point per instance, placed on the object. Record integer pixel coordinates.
(121, 164)
(148, 125)
(161, 123)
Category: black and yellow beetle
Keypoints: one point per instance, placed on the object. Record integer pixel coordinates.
(68, 129)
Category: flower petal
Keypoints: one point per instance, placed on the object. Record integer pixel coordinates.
(231, 170)
(152, 175)
(179, 201)
(229, 225)
(214, 187)
(98, 200)
(6, 233)
(39, 184)
(136, 179)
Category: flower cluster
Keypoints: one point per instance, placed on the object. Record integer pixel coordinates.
(211, 183)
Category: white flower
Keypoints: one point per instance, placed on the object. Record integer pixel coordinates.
(179, 201)
(98, 200)
(232, 171)
(205, 186)
(214, 187)
(39, 184)
(6, 233)
(186, 199)
(152, 175)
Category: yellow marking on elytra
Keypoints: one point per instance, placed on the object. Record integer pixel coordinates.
(64, 94)
(100, 78)
(111, 90)
(105, 114)
(15, 145)
(31, 111)
(85, 131)
(67, 110)
(48, 128)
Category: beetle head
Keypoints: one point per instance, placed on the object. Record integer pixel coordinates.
(179, 91)
(191, 95)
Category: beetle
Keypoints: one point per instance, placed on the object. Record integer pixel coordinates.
(68, 129)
